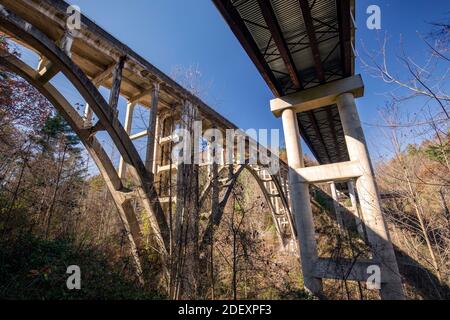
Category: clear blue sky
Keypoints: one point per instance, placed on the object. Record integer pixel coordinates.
(171, 33)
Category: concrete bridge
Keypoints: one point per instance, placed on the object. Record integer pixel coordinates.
(308, 64)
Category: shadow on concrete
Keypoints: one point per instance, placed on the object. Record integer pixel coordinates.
(413, 273)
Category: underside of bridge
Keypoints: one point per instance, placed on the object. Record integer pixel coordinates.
(304, 50)
(298, 45)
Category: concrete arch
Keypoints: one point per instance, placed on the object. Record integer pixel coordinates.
(273, 209)
(216, 220)
(144, 192)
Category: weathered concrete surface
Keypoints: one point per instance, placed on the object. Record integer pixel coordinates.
(342, 171)
(377, 231)
(314, 98)
(301, 202)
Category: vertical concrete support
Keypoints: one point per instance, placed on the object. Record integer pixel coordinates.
(157, 147)
(337, 208)
(230, 153)
(66, 42)
(358, 219)
(116, 84)
(208, 160)
(151, 136)
(127, 126)
(88, 115)
(301, 203)
(377, 232)
(214, 176)
(42, 63)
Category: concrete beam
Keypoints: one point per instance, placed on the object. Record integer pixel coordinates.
(166, 168)
(116, 83)
(355, 210)
(139, 135)
(142, 95)
(318, 97)
(344, 269)
(151, 136)
(166, 140)
(128, 126)
(104, 75)
(342, 171)
(47, 73)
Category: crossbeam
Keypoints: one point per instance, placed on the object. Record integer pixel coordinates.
(318, 97)
(104, 75)
(139, 135)
(47, 72)
(344, 269)
(141, 95)
(341, 171)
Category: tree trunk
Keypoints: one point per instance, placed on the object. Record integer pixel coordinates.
(186, 258)
(51, 207)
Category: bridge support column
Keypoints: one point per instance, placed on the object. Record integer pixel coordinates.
(151, 136)
(88, 115)
(127, 126)
(337, 208)
(301, 203)
(377, 232)
(358, 220)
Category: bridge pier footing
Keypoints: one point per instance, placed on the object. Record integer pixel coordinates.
(341, 93)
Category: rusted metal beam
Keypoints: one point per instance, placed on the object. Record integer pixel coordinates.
(345, 35)
(277, 35)
(309, 25)
(240, 30)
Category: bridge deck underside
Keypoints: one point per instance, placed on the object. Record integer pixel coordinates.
(297, 45)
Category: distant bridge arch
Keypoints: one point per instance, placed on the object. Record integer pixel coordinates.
(275, 194)
(60, 52)
(120, 194)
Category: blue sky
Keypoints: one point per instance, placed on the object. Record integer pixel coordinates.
(172, 33)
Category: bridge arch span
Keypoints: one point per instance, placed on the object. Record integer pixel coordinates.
(65, 61)
(35, 39)
(274, 196)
